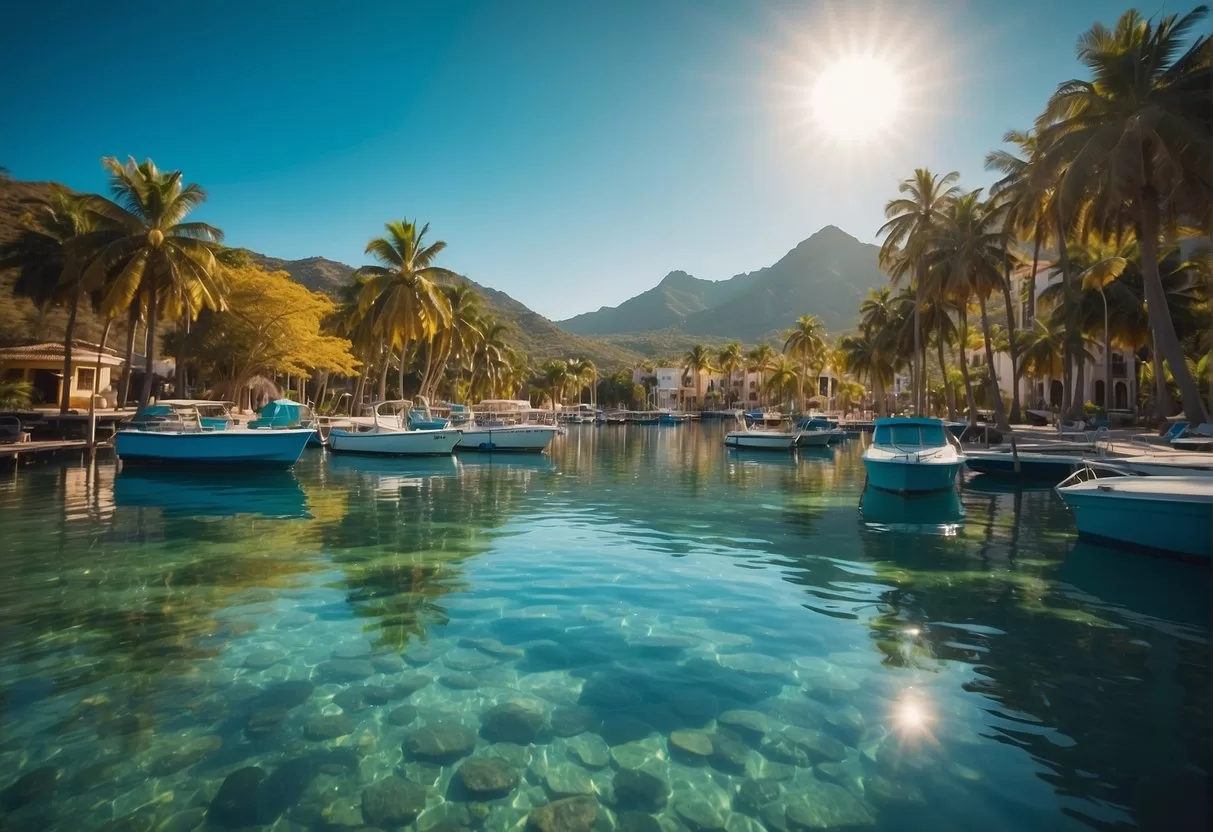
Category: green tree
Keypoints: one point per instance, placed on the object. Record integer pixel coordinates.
(805, 342)
(697, 360)
(402, 296)
(913, 220)
(1136, 135)
(49, 260)
(147, 256)
(730, 359)
(970, 244)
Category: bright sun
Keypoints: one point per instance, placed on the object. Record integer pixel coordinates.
(856, 97)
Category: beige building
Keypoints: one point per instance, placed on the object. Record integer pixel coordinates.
(676, 389)
(42, 366)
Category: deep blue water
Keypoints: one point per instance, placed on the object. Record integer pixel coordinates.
(694, 639)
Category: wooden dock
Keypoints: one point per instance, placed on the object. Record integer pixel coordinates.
(16, 451)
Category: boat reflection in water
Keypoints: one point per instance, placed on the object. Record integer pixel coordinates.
(1154, 591)
(391, 473)
(213, 493)
(936, 512)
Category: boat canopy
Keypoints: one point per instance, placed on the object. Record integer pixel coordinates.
(913, 432)
(280, 413)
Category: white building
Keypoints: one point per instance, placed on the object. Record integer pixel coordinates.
(676, 389)
(1046, 392)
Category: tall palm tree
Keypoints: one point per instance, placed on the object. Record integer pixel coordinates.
(697, 360)
(969, 244)
(146, 255)
(1136, 135)
(867, 357)
(730, 359)
(582, 372)
(402, 295)
(805, 342)
(759, 361)
(784, 379)
(454, 339)
(912, 222)
(50, 263)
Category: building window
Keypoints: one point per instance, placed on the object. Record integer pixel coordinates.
(753, 397)
(85, 379)
(753, 386)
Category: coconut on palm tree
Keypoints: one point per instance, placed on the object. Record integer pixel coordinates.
(402, 296)
(913, 220)
(1136, 136)
(145, 253)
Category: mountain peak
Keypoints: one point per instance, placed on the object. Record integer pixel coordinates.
(831, 234)
(677, 278)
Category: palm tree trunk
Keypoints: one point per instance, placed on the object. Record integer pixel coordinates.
(1165, 338)
(949, 393)
(1078, 403)
(65, 394)
(132, 325)
(878, 389)
(964, 364)
(1162, 396)
(919, 383)
(182, 350)
(385, 355)
(1000, 413)
(1070, 304)
(400, 379)
(149, 378)
(1012, 347)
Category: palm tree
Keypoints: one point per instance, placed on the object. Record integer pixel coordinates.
(867, 357)
(491, 367)
(730, 359)
(1136, 135)
(402, 295)
(454, 338)
(554, 381)
(784, 379)
(582, 373)
(805, 342)
(912, 223)
(50, 261)
(146, 255)
(697, 360)
(937, 320)
(969, 245)
(759, 361)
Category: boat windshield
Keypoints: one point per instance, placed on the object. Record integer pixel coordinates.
(911, 436)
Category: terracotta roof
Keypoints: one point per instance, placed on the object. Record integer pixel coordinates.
(82, 352)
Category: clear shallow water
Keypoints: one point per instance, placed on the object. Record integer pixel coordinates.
(699, 640)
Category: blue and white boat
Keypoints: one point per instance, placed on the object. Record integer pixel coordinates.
(186, 433)
(421, 417)
(387, 432)
(912, 455)
(1171, 515)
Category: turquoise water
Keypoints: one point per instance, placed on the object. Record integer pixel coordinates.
(661, 634)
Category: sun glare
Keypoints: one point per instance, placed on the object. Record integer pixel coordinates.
(856, 97)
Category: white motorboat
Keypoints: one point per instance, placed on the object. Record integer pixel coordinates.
(388, 433)
(1158, 465)
(912, 455)
(505, 426)
(1161, 514)
(760, 439)
(814, 438)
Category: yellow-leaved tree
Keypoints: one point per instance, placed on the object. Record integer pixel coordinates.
(271, 326)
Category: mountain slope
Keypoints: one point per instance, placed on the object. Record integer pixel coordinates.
(667, 304)
(531, 333)
(826, 275)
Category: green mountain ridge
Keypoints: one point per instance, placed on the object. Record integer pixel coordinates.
(531, 333)
(826, 275)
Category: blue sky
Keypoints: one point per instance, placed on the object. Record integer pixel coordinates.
(570, 152)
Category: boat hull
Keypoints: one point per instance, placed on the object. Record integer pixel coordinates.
(1174, 528)
(760, 442)
(268, 448)
(394, 443)
(517, 439)
(815, 438)
(903, 477)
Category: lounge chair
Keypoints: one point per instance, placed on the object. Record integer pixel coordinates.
(1072, 429)
(1199, 438)
(10, 430)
